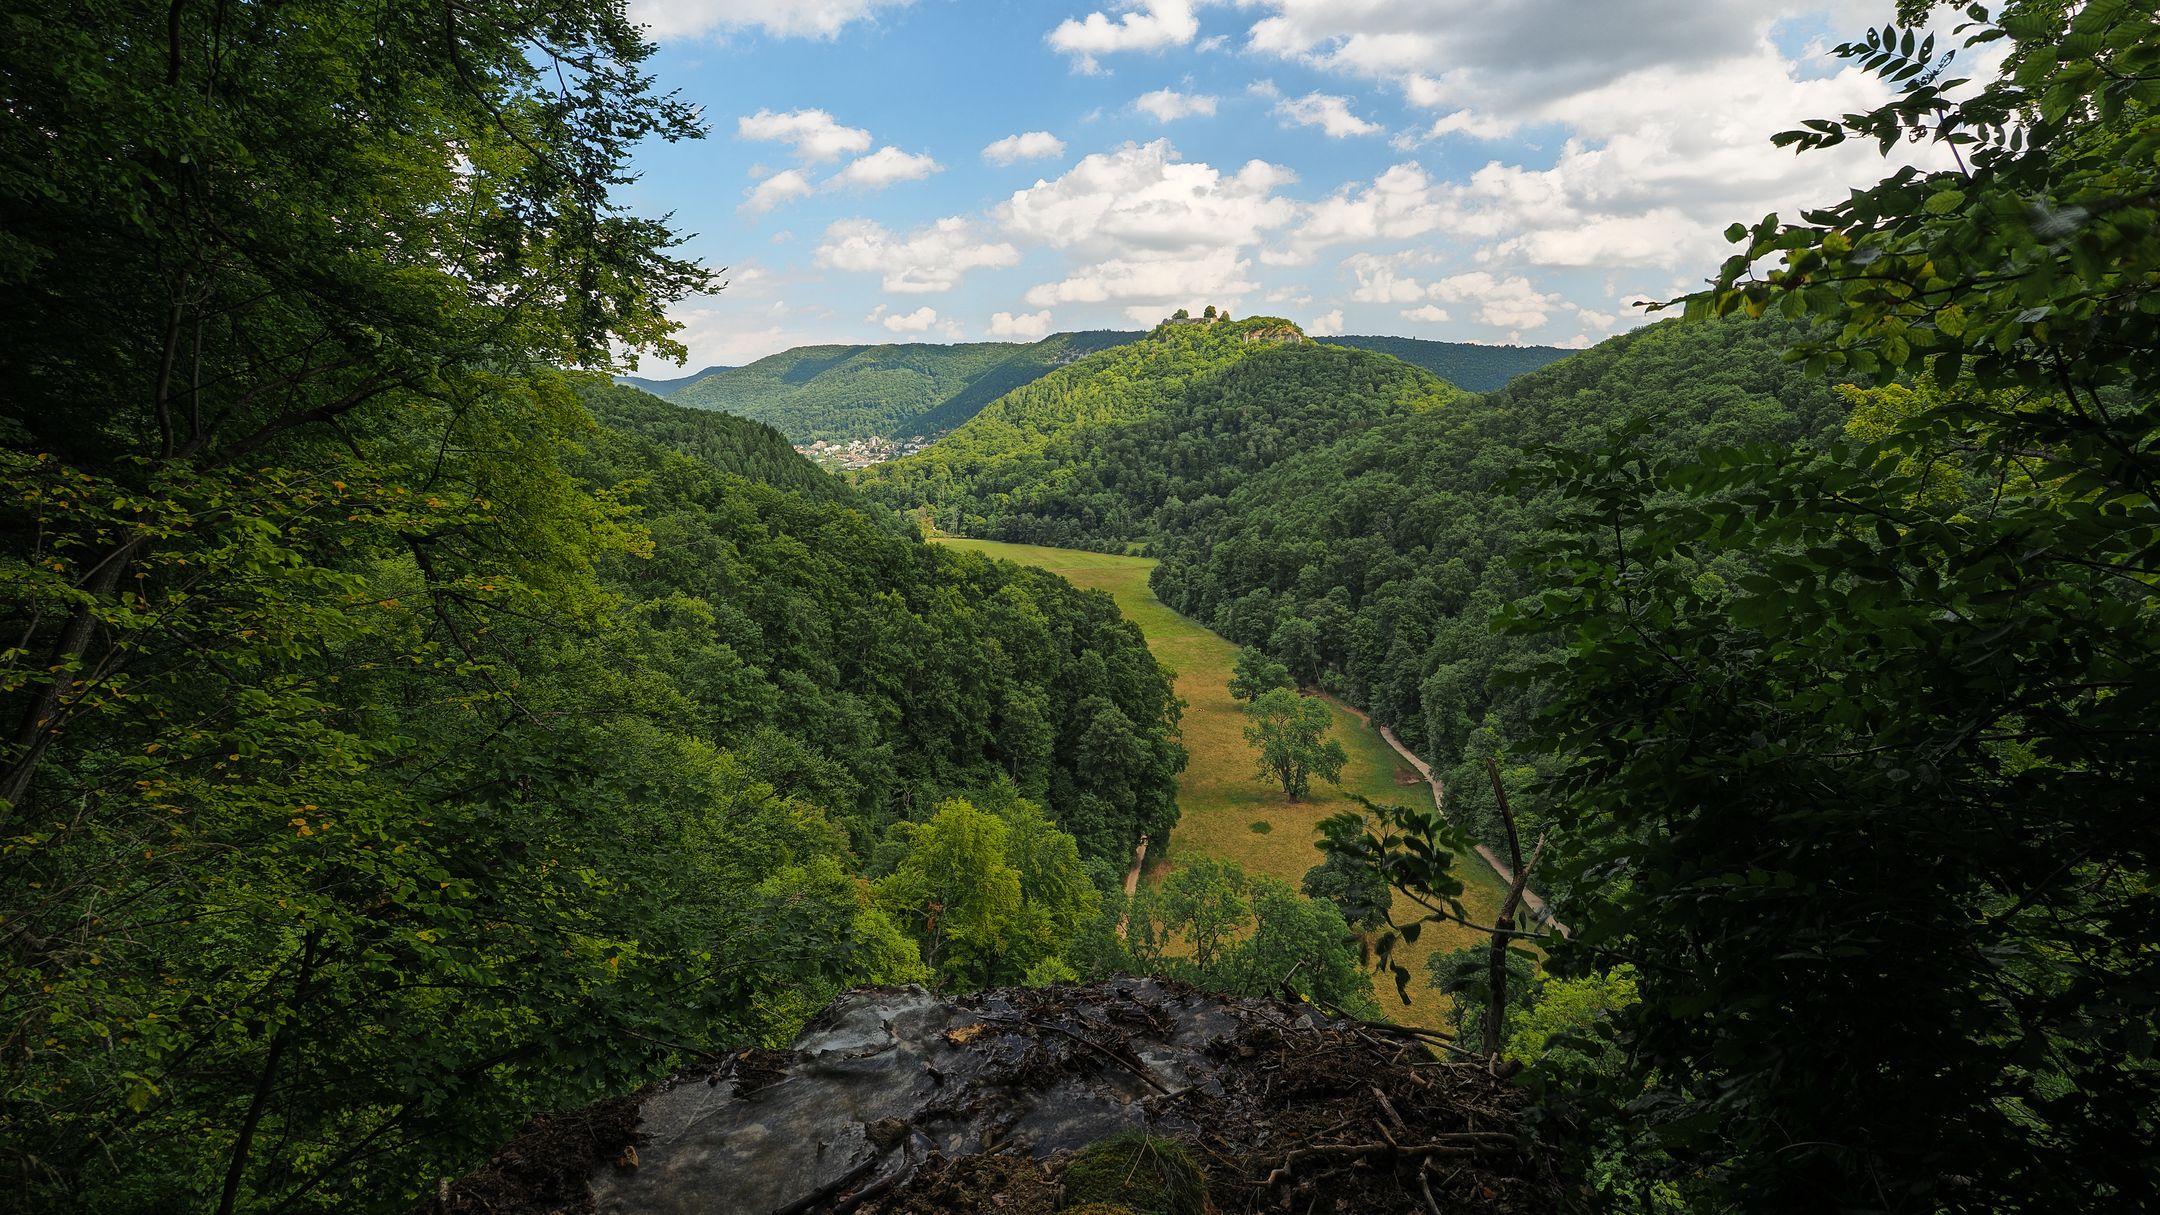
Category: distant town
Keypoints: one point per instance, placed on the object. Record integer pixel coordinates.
(862, 453)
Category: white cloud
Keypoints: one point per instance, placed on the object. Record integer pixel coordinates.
(1141, 197)
(1427, 313)
(929, 259)
(1379, 282)
(1505, 303)
(774, 190)
(1664, 111)
(1328, 112)
(1508, 60)
(665, 20)
(1327, 324)
(1145, 25)
(1030, 145)
(1169, 105)
(812, 133)
(882, 168)
(1401, 203)
(1151, 288)
(1155, 233)
(918, 321)
(1026, 325)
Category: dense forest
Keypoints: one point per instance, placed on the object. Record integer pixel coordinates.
(1372, 566)
(1121, 447)
(405, 735)
(853, 392)
(408, 731)
(1467, 365)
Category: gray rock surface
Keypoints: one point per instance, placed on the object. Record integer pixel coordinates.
(884, 1077)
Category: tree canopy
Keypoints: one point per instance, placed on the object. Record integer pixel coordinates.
(1289, 737)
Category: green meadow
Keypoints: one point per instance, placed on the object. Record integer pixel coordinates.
(1220, 799)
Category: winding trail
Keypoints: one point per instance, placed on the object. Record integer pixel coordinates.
(1538, 911)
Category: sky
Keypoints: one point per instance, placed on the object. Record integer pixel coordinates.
(969, 170)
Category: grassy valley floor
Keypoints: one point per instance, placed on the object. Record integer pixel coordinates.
(1219, 800)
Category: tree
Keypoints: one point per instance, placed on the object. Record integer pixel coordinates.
(1361, 893)
(1256, 674)
(1290, 733)
(1213, 925)
(1297, 640)
(1879, 791)
(990, 896)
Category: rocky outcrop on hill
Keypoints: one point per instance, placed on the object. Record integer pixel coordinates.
(896, 1100)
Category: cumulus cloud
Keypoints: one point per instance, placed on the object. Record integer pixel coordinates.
(1429, 313)
(668, 20)
(1029, 145)
(1326, 111)
(1402, 203)
(1143, 197)
(1380, 280)
(1505, 303)
(1664, 110)
(1327, 324)
(812, 133)
(929, 259)
(1161, 282)
(922, 320)
(1154, 231)
(882, 168)
(1145, 25)
(1169, 105)
(1508, 60)
(779, 188)
(1029, 325)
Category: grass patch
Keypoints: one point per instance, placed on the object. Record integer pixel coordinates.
(1218, 798)
(1260, 826)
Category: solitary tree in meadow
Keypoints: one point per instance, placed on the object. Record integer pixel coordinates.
(1290, 733)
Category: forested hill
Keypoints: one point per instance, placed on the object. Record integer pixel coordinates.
(1470, 366)
(852, 392)
(725, 442)
(1115, 448)
(1373, 566)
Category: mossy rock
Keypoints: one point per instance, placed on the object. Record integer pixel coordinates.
(1136, 1172)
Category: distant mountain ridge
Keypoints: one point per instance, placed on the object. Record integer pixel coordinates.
(896, 391)
(1467, 365)
(662, 388)
(918, 389)
(1116, 447)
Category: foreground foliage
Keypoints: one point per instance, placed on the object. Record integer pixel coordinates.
(1850, 746)
(391, 751)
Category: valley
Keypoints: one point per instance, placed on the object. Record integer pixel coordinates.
(1219, 801)
(971, 746)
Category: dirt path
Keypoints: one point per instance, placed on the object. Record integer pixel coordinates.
(1538, 911)
(1139, 858)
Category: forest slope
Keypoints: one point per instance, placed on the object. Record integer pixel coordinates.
(1470, 366)
(671, 385)
(852, 392)
(1373, 565)
(1223, 811)
(1115, 448)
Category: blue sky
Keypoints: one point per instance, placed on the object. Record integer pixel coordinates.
(963, 170)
